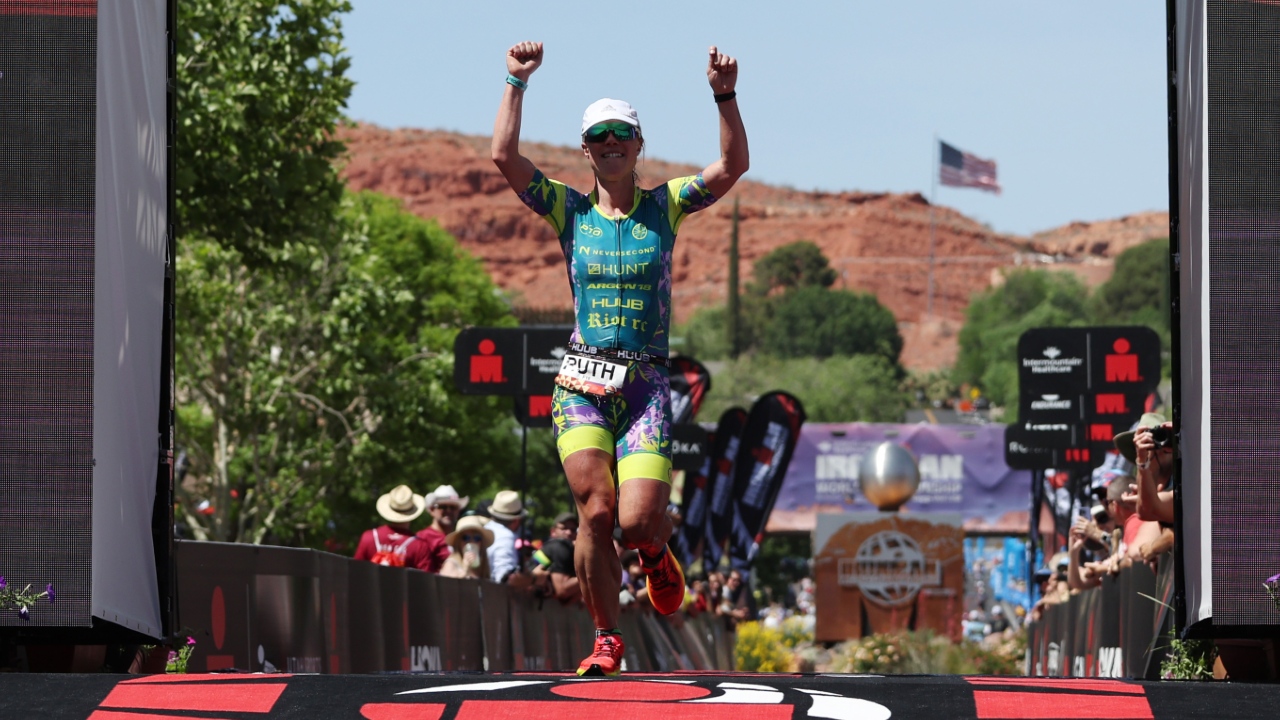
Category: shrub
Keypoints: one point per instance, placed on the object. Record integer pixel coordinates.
(877, 654)
(927, 653)
(760, 649)
(797, 630)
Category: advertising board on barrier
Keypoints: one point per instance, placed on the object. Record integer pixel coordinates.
(256, 608)
(1110, 631)
(962, 470)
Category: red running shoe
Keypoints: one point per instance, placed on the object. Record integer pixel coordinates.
(666, 583)
(607, 658)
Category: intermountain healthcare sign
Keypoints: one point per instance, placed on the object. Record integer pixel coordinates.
(962, 470)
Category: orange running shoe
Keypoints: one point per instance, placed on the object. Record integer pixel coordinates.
(666, 583)
(606, 659)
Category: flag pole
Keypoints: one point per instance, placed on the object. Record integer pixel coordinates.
(933, 194)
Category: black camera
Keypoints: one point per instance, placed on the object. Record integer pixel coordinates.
(1162, 436)
(1100, 514)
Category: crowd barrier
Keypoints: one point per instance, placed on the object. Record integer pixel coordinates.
(1117, 630)
(259, 608)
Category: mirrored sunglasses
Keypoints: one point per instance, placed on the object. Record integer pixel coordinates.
(472, 538)
(600, 133)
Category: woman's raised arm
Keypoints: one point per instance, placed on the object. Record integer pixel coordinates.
(720, 176)
(522, 59)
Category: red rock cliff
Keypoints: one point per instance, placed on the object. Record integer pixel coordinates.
(879, 242)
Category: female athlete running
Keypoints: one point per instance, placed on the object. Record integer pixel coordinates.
(611, 407)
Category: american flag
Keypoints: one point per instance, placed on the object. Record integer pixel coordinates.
(960, 169)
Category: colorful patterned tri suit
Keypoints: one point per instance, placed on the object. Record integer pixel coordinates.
(620, 274)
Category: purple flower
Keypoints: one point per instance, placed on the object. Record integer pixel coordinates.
(1268, 581)
(191, 640)
(24, 613)
(3, 584)
(172, 656)
(48, 590)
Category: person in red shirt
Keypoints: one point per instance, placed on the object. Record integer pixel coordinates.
(393, 544)
(445, 506)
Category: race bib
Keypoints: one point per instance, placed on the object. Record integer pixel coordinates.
(591, 374)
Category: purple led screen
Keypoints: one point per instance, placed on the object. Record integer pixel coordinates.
(962, 471)
(48, 57)
(1244, 307)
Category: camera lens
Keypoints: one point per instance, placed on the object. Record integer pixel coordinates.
(1162, 436)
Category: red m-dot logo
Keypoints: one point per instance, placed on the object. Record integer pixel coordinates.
(1111, 404)
(487, 367)
(1123, 366)
(539, 406)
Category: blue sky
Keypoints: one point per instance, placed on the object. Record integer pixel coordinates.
(1068, 98)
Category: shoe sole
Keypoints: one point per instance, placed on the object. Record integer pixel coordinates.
(595, 671)
(651, 594)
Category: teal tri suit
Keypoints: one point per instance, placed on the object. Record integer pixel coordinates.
(620, 274)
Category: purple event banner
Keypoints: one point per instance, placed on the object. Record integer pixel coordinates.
(962, 470)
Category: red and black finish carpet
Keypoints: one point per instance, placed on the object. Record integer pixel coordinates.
(523, 696)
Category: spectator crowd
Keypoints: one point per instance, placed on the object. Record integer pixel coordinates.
(490, 543)
(1131, 520)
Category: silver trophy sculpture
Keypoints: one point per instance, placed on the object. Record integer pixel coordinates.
(889, 476)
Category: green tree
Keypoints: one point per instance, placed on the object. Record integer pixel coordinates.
(813, 321)
(1138, 291)
(705, 336)
(261, 85)
(259, 416)
(792, 312)
(792, 266)
(837, 389)
(307, 389)
(927, 387)
(412, 289)
(783, 560)
(996, 318)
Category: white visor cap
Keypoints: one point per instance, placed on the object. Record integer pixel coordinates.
(606, 109)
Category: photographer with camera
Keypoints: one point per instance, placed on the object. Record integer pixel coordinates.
(1090, 543)
(1150, 446)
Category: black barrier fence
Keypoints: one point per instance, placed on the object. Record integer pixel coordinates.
(1117, 630)
(260, 608)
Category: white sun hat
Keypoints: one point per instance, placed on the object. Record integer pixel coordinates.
(446, 495)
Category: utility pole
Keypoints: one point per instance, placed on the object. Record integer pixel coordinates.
(733, 285)
(933, 231)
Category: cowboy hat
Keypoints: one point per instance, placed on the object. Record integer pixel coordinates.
(470, 523)
(446, 495)
(507, 506)
(1124, 441)
(401, 505)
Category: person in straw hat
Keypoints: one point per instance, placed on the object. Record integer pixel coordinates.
(445, 506)
(469, 542)
(508, 513)
(393, 544)
(1150, 447)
